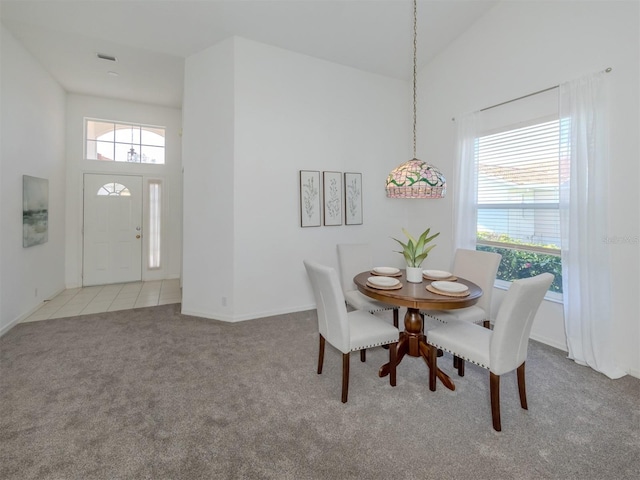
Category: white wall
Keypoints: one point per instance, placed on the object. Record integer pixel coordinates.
(522, 47)
(81, 106)
(291, 112)
(208, 122)
(32, 143)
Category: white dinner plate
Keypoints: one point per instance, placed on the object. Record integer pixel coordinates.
(437, 273)
(383, 281)
(450, 287)
(386, 270)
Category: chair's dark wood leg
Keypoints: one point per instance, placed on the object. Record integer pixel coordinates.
(345, 376)
(433, 367)
(486, 324)
(494, 387)
(460, 366)
(321, 354)
(363, 355)
(455, 361)
(392, 363)
(522, 387)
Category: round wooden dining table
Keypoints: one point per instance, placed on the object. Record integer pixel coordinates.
(416, 297)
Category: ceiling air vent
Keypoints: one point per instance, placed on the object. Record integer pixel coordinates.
(103, 56)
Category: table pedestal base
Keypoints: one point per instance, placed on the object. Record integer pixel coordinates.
(413, 342)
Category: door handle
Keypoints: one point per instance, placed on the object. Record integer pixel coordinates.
(137, 236)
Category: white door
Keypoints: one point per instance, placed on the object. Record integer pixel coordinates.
(112, 245)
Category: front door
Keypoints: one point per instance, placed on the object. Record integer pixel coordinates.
(112, 240)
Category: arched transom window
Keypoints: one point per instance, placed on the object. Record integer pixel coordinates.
(124, 142)
(114, 189)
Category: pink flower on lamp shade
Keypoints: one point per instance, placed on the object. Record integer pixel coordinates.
(416, 179)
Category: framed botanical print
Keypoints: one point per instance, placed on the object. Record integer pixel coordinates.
(332, 195)
(353, 198)
(309, 198)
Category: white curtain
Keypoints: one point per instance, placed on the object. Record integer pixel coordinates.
(583, 222)
(465, 207)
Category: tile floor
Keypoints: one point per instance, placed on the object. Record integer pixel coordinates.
(107, 298)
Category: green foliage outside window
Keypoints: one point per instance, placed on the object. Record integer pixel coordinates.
(517, 264)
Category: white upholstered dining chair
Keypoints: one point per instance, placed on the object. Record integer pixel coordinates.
(481, 268)
(346, 331)
(354, 258)
(500, 350)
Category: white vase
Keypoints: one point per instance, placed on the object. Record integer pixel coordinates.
(414, 274)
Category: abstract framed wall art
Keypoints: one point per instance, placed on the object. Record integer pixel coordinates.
(310, 198)
(353, 198)
(332, 194)
(35, 211)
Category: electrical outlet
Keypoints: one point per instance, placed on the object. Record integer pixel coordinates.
(36, 293)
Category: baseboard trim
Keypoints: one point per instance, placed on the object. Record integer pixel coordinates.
(550, 342)
(630, 371)
(207, 315)
(12, 324)
(634, 373)
(20, 318)
(242, 318)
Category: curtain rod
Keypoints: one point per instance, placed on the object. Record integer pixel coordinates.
(607, 70)
(519, 98)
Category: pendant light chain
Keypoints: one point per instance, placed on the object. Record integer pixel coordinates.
(415, 178)
(415, 48)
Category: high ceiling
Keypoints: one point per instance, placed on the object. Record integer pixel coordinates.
(151, 38)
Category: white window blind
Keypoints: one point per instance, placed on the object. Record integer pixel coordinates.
(518, 187)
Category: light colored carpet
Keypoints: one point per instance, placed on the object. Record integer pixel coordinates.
(153, 394)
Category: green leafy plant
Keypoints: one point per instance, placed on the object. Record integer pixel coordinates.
(517, 264)
(415, 251)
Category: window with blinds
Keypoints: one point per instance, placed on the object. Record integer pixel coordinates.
(519, 177)
(518, 188)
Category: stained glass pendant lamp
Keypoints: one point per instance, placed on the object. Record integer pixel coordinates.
(415, 178)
